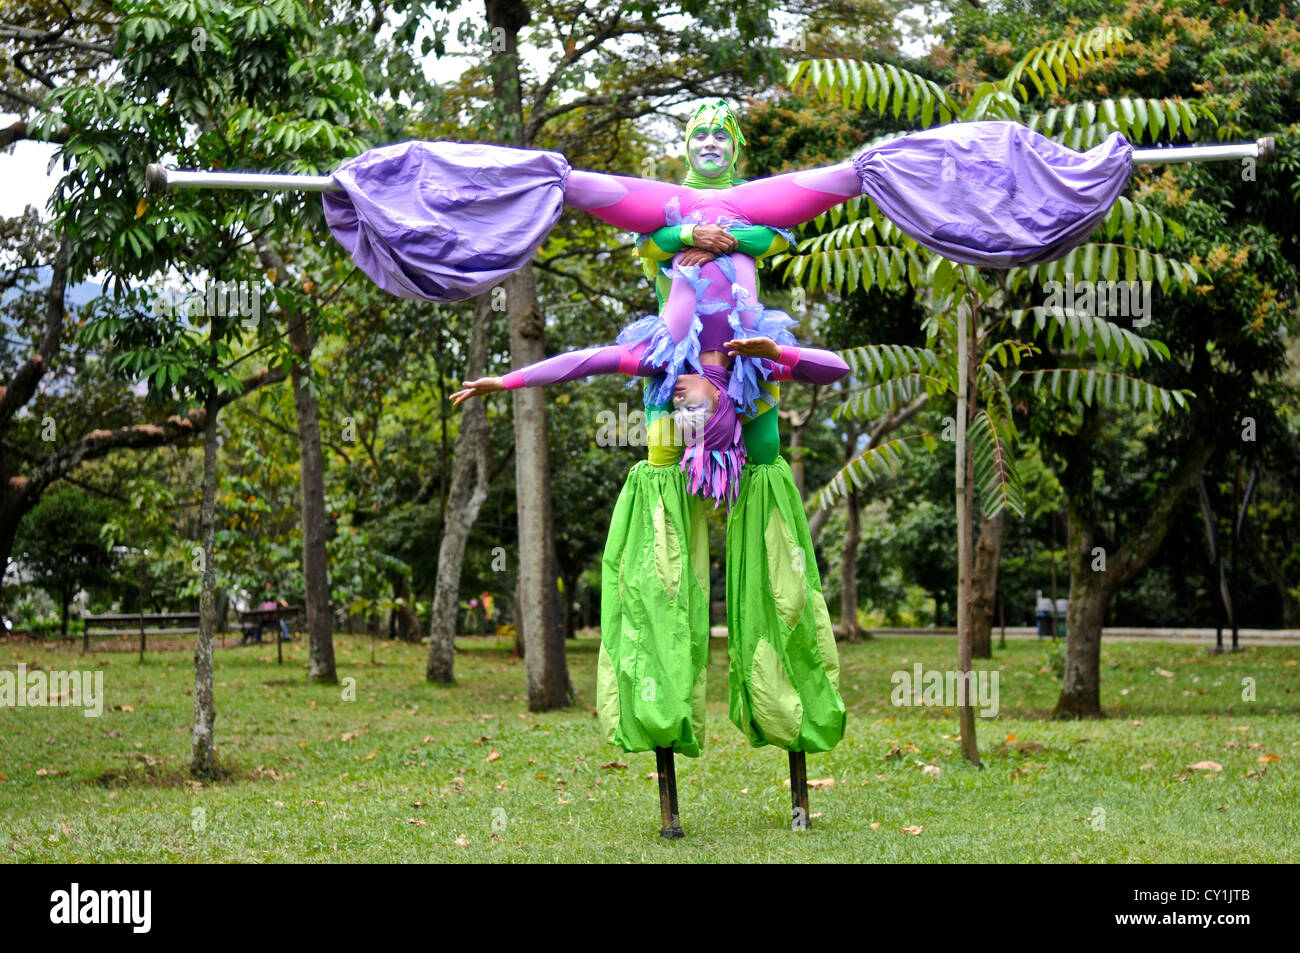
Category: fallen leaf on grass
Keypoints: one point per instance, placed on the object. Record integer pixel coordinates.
(370, 756)
(1147, 767)
(48, 772)
(932, 770)
(816, 784)
(426, 740)
(417, 821)
(493, 755)
(1165, 673)
(462, 841)
(1205, 766)
(915, 830)
(617, 765)
(875, 825)
(1136, 724)
(348, 735)
(1269, 758)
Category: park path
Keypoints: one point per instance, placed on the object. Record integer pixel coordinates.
(1109, 634)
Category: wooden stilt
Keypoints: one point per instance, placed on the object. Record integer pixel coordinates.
(800, 819)
(670, 821)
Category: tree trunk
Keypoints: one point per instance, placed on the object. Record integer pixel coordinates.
(849, 570)
(468, 493)
(1095, 575)
(407, 627)
(988, 552)
(537, 616)
(963, 495)
(1090, 594)
(797, 425)
(202, 743)
(315, 526)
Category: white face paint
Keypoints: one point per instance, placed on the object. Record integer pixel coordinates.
(692, 419)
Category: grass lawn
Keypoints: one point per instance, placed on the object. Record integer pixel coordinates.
(411, 772)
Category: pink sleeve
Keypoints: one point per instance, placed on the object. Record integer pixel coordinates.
(787, 200)
(613, 359)
(810, 365)
(621, 200)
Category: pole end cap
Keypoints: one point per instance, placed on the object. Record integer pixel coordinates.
(1267, 148)
(155, 177)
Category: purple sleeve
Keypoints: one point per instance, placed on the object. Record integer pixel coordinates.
(612, 359)
(811, 365)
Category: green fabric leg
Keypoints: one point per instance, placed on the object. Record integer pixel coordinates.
(654, 615)
(784, 677)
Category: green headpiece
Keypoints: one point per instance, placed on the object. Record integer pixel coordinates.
(716, 113)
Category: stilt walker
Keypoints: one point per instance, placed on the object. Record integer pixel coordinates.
(413, 217)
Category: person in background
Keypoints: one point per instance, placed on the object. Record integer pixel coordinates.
(270, 603)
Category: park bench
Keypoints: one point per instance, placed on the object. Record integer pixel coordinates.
(259, 617)
(163, 623)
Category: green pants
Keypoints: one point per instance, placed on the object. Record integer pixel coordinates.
(784, 681)
(784, 667)
(654, 615)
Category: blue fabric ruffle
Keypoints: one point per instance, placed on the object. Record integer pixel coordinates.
(662, 352)
(744, 388)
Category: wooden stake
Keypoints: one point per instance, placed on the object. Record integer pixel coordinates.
(800, 819)
(670, 821)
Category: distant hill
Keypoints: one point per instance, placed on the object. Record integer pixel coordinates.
(77, 294)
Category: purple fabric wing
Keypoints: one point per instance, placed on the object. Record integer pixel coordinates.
(994, 193)
(445, 221)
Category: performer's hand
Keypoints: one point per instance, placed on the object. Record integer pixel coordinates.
(715, 239)
(484, 385)
(754, 347)
(695, 256)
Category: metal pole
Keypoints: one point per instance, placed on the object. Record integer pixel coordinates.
(158, 178)
(1263, 149)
